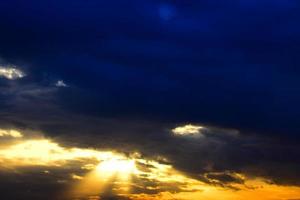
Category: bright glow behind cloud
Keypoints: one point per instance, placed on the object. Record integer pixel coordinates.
(89, 173)
(45, 152)
(11, 72)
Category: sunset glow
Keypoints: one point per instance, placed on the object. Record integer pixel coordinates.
(104, 172)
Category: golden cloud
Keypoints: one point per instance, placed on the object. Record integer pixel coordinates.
(11, 72)
(10, 133)
(188, 129)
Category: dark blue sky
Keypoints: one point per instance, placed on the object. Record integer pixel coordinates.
(231, 64)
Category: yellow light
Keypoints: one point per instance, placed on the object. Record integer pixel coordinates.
(46, 152)
(188, 129)
(116, 165)
(112, 172)
(10, 72)
(10, 133)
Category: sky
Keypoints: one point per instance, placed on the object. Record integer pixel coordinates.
(149, 100)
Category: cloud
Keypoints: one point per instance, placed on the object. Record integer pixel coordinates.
(218, 152)
(10, 133)
(95, 172)
(61, 83)
(11, 72)
(187, 130)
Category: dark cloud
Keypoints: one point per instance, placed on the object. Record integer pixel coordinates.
(33, 184)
